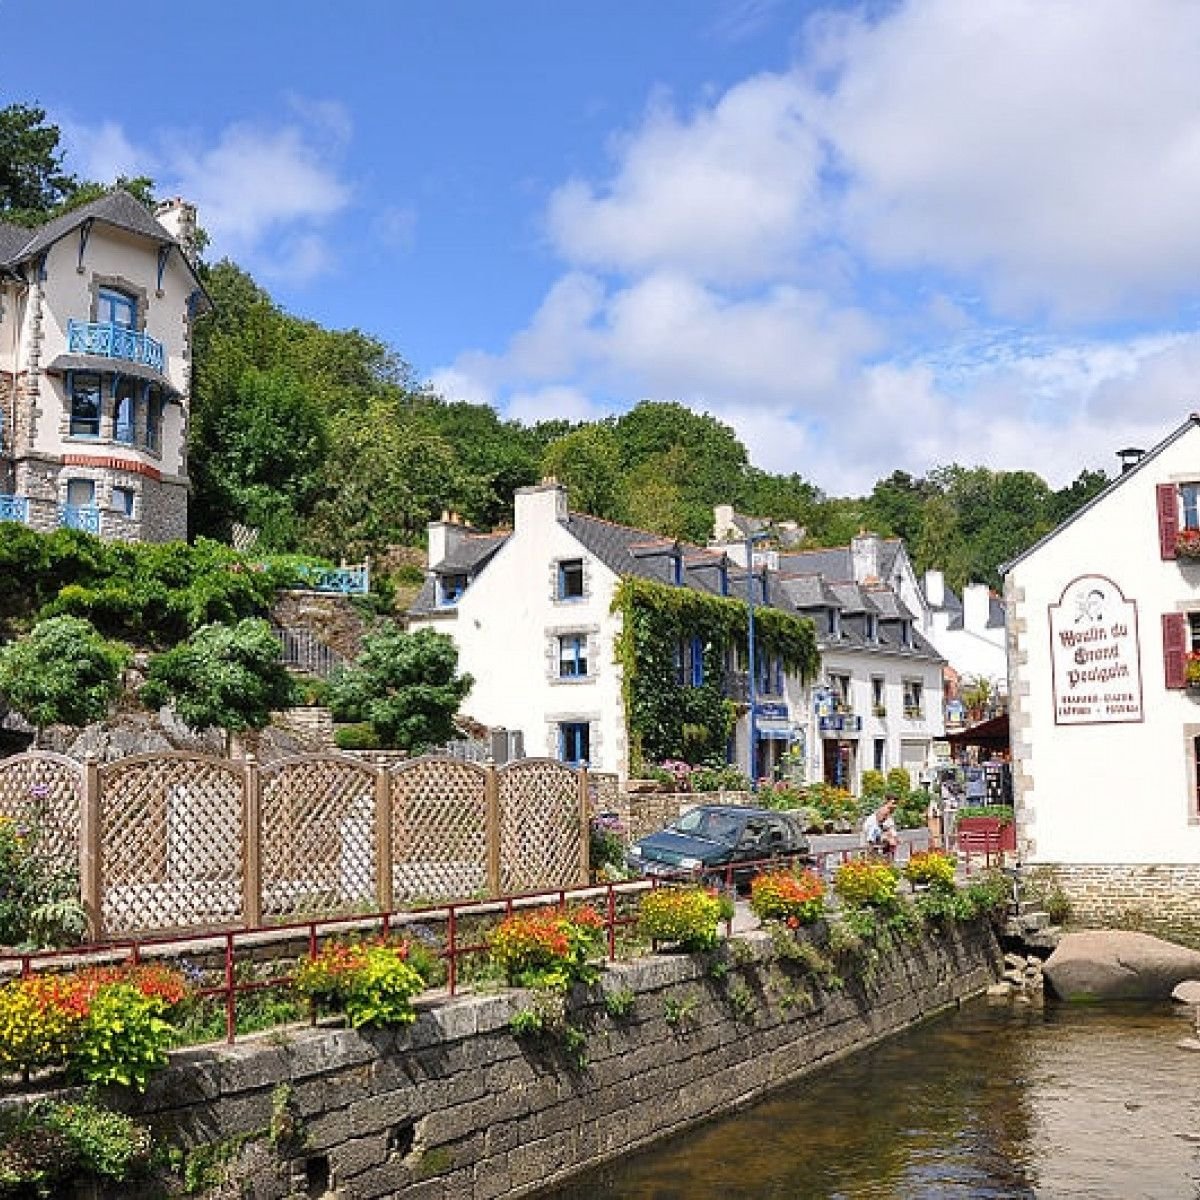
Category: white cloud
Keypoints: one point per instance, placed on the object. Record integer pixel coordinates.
(396, 226)
(552, 404)
(1052, 150)
(265, 193)
(726, 194)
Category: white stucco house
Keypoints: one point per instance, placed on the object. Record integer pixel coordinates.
(1103, 622)
(96, 312)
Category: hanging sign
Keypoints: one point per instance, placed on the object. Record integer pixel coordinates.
(1094, 653)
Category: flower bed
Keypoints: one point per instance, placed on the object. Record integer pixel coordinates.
(931, 868)
(688, 917)
(797, 897)
(373, 983)
(866, 883)
(547, 946)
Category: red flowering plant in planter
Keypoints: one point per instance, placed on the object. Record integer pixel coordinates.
(794, 897)
(866, 883)
(372, 982)
(548, 947)
(1187, 543)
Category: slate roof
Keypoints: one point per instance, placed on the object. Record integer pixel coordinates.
(809, 591)
(472, 552)
(12, 238)
(837, 562)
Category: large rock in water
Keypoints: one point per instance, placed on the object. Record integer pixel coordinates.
(1113, 964)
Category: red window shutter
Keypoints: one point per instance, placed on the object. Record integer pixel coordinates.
(1175, 649)
(1168, 519)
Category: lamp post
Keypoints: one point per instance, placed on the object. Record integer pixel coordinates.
(752, 671)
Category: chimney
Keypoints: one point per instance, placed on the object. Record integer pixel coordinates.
(977, 606)
(935, 588)
(724, 530)
(445, 536)
(1130, 457)
(178, 218)
(864, 555)
(540, 506)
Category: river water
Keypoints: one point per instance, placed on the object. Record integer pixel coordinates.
(988, 1101)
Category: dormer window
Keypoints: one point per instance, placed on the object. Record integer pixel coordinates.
(450, 588)
(570, 579)
(677, 568)
(872, 627)
(723, 572)
(906, 635)
(835, 623)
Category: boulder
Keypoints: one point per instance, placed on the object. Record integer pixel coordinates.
(1188, 992)
(1116, 964)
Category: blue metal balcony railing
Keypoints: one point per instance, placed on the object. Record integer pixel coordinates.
(114, 341)
(347, 581)
(14, 508)
(79, 516)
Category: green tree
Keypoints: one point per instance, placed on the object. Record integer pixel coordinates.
(226, 677)
(588, 461)
(405, 685)
(896, 504)
(1086, 486)
(32, 180)
(61, 673)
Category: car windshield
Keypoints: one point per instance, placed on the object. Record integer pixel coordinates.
(712, 826)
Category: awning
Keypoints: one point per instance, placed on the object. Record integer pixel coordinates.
(782, 731)
(991, 734)
(100, 364)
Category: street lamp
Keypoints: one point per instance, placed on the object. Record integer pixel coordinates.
(752, 681)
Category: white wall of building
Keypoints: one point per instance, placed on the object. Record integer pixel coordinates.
(506, 627)
(1121, 792)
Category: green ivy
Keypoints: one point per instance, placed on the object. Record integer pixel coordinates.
(667, 719)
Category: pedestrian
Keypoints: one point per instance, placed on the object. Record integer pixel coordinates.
(933, 820)
(879, 829)
(949, 813)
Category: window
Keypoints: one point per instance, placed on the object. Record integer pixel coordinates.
(878, 707)
(125, 411)
(81, 493)
(85, 406)
(872, 627)
(1178, 517)
(1189, 505)
(879, 753)
(839, 686)
(677, 568)
(906, 634)
(697, 672)
(574, 742)
(769, 672)
(122, 501)
(116, 308)
(154, 408)
(913, 699)
(570, 579)
(835, 623)
(680, 663)
(572, 656)
(450, 587)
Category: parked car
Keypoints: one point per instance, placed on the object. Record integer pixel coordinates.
(710, 839)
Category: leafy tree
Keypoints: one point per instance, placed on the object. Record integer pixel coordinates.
(405, 685)
(32, 180)
(61, 673)
(223, 677)
(1086, 486)
(588, 461)
(896, 503)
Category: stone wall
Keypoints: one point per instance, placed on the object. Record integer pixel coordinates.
(458, 1106)
(1163, 899)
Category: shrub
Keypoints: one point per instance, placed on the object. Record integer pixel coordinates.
(53, 1143)
(548, 947)
(687, 916)
(373, 983)
(795, 897)
(781, 795)
(356, 737)
(833, 803)
(866, 883)
(123, 1038)
(874, 786)
(931, 867)
(39, 899)
(990, 894)
(606, 846)
(726, 778)
(997, 812)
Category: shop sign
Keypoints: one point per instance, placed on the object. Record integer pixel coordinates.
(1094, 654)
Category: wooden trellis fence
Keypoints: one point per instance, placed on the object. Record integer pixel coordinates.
(176, 841)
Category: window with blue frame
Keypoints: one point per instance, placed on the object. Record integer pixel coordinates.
(122, 501)
(570, 579)
(1189, 505)
(572, 656)
(681, 663)
(116, 308)
(450, 587)
(125, 411)
(697, 662)
(677, 568)
(154, 409)
(574, 742)
(769, 672)
(85, 405)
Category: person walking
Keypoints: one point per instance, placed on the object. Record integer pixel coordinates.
(949, 814)
(879, 830)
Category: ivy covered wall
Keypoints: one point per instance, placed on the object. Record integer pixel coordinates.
(667, 718)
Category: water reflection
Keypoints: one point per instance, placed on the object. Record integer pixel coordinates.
(985, 1102)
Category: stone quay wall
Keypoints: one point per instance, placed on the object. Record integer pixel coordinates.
(457, 1106)
(1162, 899)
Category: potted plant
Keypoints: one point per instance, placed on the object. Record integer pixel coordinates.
(1187, 543)
(1192, 670)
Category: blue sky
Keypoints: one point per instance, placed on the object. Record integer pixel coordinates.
(867, 235)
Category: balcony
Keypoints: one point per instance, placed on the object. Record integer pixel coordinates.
(843, 722)
(14, 508)
(85, 517)
(114, 341)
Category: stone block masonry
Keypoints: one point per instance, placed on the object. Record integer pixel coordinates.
(456, 1106)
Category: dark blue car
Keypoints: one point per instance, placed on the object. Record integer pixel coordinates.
(716, 841)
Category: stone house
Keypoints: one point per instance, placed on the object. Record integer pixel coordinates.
(96, 312)
(1104, 654)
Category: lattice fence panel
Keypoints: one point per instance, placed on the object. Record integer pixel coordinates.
(539, 826)
(171, 843)
(318, 837)
(439, 829)
(44, 791)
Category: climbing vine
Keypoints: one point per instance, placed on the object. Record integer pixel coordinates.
(670, 719)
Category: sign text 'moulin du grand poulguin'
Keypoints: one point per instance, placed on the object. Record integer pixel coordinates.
(1094, 654)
